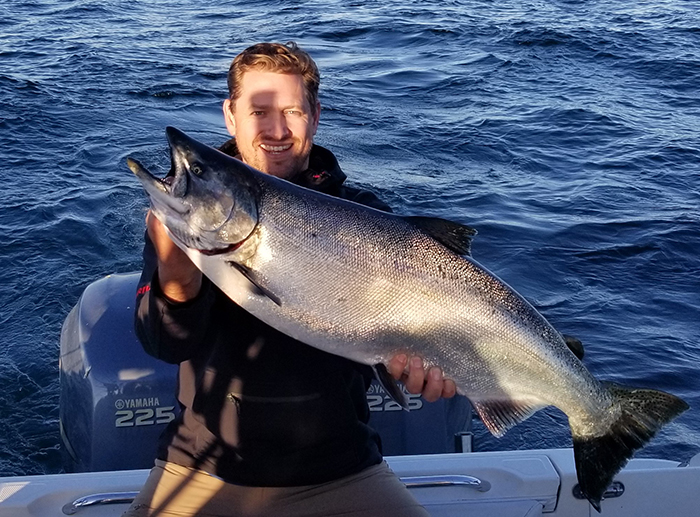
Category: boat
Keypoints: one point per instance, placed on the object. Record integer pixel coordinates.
(115, 400)
(529, 483)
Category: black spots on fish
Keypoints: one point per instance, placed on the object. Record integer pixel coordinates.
(442, 271)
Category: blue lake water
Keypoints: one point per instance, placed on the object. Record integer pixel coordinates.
(566, 132)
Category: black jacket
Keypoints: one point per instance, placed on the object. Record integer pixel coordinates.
(258, 407)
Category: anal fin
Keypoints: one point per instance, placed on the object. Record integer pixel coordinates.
(500, 415)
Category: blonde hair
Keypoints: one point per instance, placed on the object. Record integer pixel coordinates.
(278, 58)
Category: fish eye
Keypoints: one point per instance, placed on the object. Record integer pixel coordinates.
(196, 169)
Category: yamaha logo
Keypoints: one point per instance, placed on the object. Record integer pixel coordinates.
(136, 403)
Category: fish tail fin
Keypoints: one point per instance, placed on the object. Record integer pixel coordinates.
(642, 413)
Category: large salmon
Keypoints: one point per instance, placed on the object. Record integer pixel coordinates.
(366, 285)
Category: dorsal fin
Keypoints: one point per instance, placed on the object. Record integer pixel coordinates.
(390, 385)
(457, 237)
(500, 415)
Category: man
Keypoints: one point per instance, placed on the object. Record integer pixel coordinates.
(268, 426)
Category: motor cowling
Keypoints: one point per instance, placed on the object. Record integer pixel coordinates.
(115, 399)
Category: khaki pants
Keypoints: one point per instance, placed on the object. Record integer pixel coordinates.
(173, 490)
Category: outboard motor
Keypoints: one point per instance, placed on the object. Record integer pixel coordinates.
(116, 399)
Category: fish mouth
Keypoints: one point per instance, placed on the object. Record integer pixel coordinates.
(145, 175)
(160, 190)
(220, 251)
(183, 242)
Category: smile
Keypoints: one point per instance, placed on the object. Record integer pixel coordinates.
(275, 148)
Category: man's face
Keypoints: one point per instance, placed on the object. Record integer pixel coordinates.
(273, 123)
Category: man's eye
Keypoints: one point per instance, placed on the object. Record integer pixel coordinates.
(293, 112)
(258, 113)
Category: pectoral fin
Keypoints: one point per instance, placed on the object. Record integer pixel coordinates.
(257, 282)
(390, 385)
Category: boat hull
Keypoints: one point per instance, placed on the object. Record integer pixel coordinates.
(508, 484)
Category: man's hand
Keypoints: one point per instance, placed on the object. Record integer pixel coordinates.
(179, 278)
(431, 384)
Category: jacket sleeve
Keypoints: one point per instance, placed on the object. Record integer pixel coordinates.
(167, 330)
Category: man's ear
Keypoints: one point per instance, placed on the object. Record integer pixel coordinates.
(228, 117)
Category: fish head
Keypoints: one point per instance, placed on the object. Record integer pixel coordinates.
(208, 201)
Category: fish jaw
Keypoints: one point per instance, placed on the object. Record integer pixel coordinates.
(160, 191)
(207, 201)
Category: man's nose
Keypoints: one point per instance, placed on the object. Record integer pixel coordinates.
(278, 128)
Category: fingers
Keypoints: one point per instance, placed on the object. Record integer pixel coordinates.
(397, 365)
(431, 384)
(449, 389)
(436, 386)
(416, 379)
